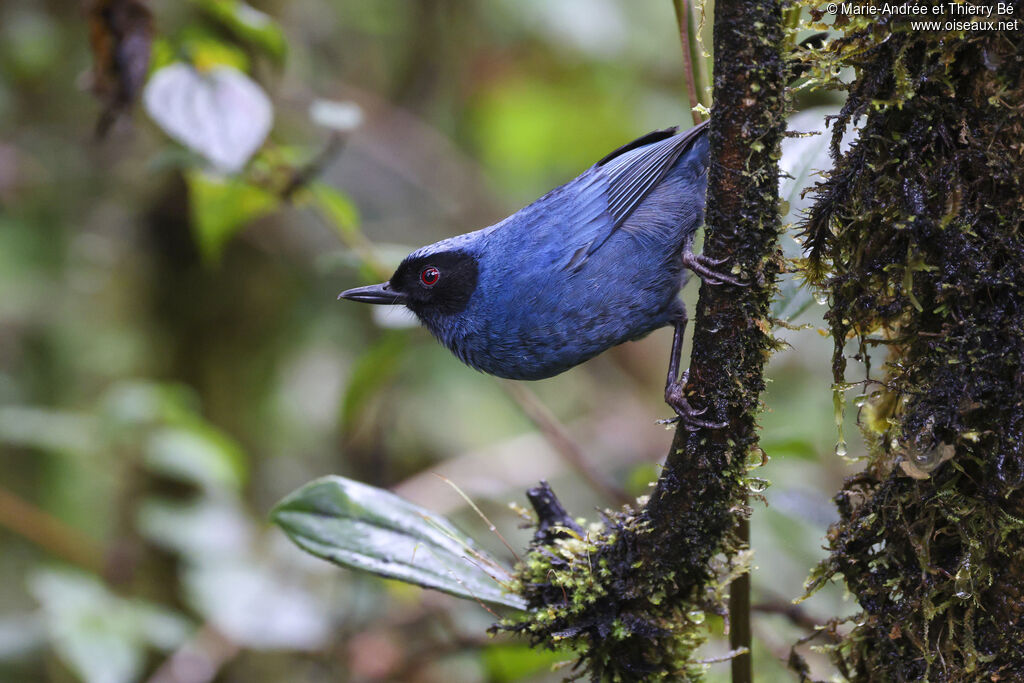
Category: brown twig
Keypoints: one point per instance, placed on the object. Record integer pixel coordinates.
(49, 533)
(311, 170)
(794, 613)
(557, 435)
(740, 633)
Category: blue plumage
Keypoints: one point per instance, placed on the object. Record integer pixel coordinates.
(593, 263)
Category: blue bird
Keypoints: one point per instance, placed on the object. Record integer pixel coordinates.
(591, 264)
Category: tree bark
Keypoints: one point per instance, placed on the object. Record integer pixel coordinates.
(917, 236)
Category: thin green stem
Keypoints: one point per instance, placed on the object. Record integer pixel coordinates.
(686, 38)
(701, 59)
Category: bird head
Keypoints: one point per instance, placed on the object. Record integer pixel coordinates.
(432, 283)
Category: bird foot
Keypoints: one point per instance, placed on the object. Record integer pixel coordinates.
(687, 415)
(707, 268)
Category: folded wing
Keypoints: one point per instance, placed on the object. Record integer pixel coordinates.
(623, 179)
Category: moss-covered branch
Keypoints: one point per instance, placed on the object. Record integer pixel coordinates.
(917, 236)
(630, 593)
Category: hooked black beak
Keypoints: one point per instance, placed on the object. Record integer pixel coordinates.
(374, 294)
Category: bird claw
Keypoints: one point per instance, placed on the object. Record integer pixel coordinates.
(686, 414)
(707, 268)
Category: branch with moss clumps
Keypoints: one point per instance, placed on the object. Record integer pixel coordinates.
(629, 594)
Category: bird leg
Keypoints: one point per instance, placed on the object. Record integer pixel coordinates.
(676, 384)
(707, 269)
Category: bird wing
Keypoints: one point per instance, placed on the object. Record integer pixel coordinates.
(624, 178)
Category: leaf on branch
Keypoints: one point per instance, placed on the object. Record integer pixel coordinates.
(220, 207)
(370, 529)
(248, 24)
(221, 114)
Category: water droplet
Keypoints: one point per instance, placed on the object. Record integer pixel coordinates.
(756, 457)
(962, 583)
(696, 616)
(860, 401)
(821, 297)
(838, 401)
(756, 484)
(928, 460)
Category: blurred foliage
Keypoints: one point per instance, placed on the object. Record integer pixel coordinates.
(173, 360)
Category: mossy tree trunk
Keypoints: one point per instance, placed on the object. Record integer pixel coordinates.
(630, 594)
(917, 237)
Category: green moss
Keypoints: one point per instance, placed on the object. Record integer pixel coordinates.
(917, 236)
(592, 595)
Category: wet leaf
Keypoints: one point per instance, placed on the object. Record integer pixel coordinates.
(221, 114)
(370, 529)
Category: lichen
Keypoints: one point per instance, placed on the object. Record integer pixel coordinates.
(916, 234)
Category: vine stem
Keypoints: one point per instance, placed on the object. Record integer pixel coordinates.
(683, 20)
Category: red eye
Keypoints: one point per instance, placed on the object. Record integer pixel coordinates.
(429, 276)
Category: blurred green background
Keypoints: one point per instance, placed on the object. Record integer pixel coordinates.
(173, 360)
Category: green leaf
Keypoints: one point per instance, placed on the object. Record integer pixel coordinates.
(204, 49)
(221, 207)
(370, 529)
(248, 24)
(339, 209)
